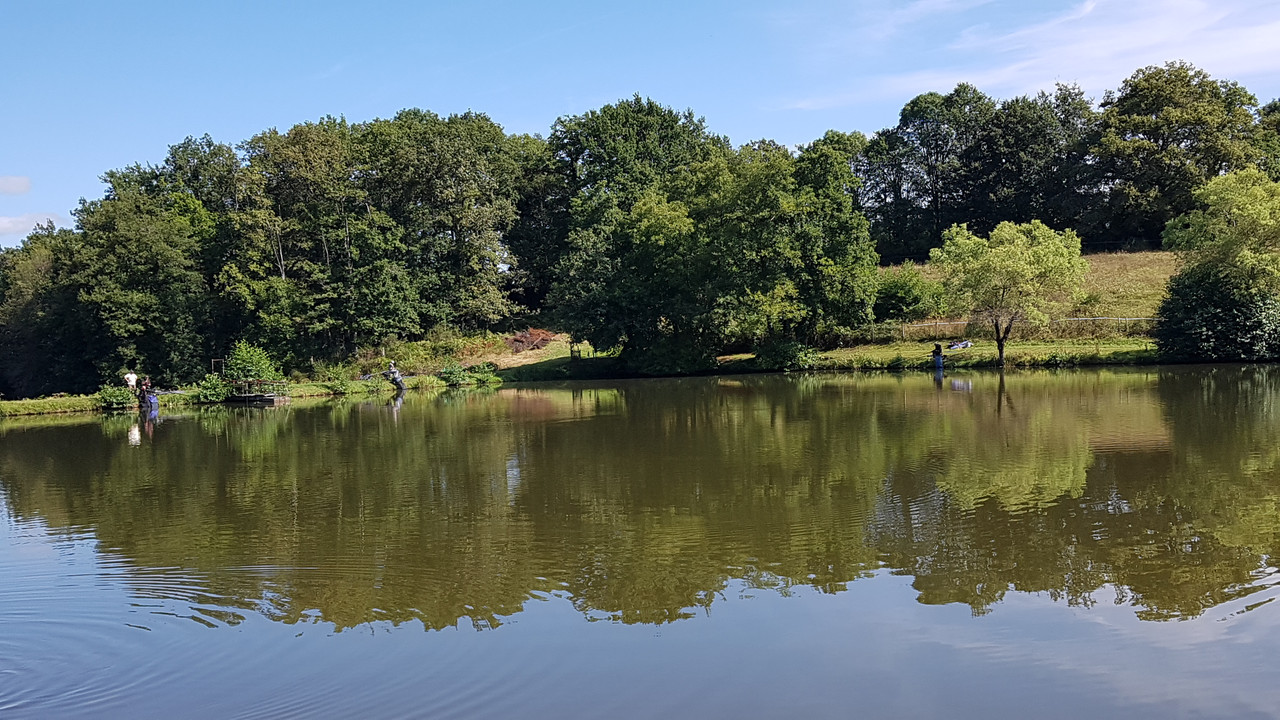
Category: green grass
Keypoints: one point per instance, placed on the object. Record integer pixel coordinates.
(49, 405)
(1032, 353)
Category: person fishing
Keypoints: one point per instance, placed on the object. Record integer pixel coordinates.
(392, 374)
(146, 393)
(937, 356)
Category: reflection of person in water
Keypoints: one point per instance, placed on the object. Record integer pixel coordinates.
(395, 404)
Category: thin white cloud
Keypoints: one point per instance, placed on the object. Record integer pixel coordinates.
(1096, 44)
(14, 185)
(23, 224)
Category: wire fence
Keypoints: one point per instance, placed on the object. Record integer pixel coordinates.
(1074, 327)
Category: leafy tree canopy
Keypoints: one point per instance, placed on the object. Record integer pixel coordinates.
(1018, 273)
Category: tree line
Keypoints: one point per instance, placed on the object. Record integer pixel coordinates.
(632, 226)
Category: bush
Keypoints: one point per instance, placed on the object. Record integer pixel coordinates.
(250, 362)
(785, 355)
(669, 356)
(484, 374)
(1213, 312)
(904, 294)
(213, 389)
(338, 386)
(454, 374)
(114, 397)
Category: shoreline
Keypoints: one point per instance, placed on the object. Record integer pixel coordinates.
(892, 357)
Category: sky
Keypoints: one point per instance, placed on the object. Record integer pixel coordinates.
(86, 87)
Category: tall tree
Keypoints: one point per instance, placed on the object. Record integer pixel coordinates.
(450, 184)
(1167, 131)
(612, 282)
(42, 321)
(925, 157)
(1030, 160)
(538, 239)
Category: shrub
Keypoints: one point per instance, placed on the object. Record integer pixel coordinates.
(250, 362)
(670, 356)
(904, 294)
(338, 386)
(114, 397)
(1216, 312)
(785, 355)
(454, 374)
(484, 374)
(213, 389)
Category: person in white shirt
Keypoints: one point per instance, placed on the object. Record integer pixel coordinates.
(131, 380)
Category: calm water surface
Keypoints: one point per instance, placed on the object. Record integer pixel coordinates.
(1047, 544)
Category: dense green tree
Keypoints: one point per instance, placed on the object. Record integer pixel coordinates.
(42, 321)
(1164, 133)
(754, 245)
(635, 276)
(450, 186)
(1267, 139)
(142, 285)
(1018, 273)
(539, 237)
(914, 171)
(1029, 161)
(1224, 303)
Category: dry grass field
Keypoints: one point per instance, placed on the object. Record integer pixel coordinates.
(1126, 284)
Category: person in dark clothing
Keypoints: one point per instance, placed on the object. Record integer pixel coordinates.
(392, 374)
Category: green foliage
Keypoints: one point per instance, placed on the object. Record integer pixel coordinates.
(785, 355)
(454, 374)
(213, 389)
(1166, 132)
(632, 226)
(1019, 273)
(736, 246)
(1225, 302)
(1215, 313)
(250, 362)
(114, 397)
(484, 374)
(1237, 225)
(904, 294)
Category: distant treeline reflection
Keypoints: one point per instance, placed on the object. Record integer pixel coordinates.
(648, 501)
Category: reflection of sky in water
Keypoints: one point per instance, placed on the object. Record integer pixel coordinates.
(872, 649)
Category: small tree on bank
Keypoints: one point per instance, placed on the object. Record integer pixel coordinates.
(1020, 273)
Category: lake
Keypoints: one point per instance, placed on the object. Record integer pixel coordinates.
(1052, 544)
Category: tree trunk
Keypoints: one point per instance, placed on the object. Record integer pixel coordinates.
(1000, 337)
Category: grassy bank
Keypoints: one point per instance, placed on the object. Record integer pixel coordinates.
(1057, 353)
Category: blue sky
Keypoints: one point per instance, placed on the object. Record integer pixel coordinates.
(90, 86)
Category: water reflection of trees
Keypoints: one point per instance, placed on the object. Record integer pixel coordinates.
(647, 501)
